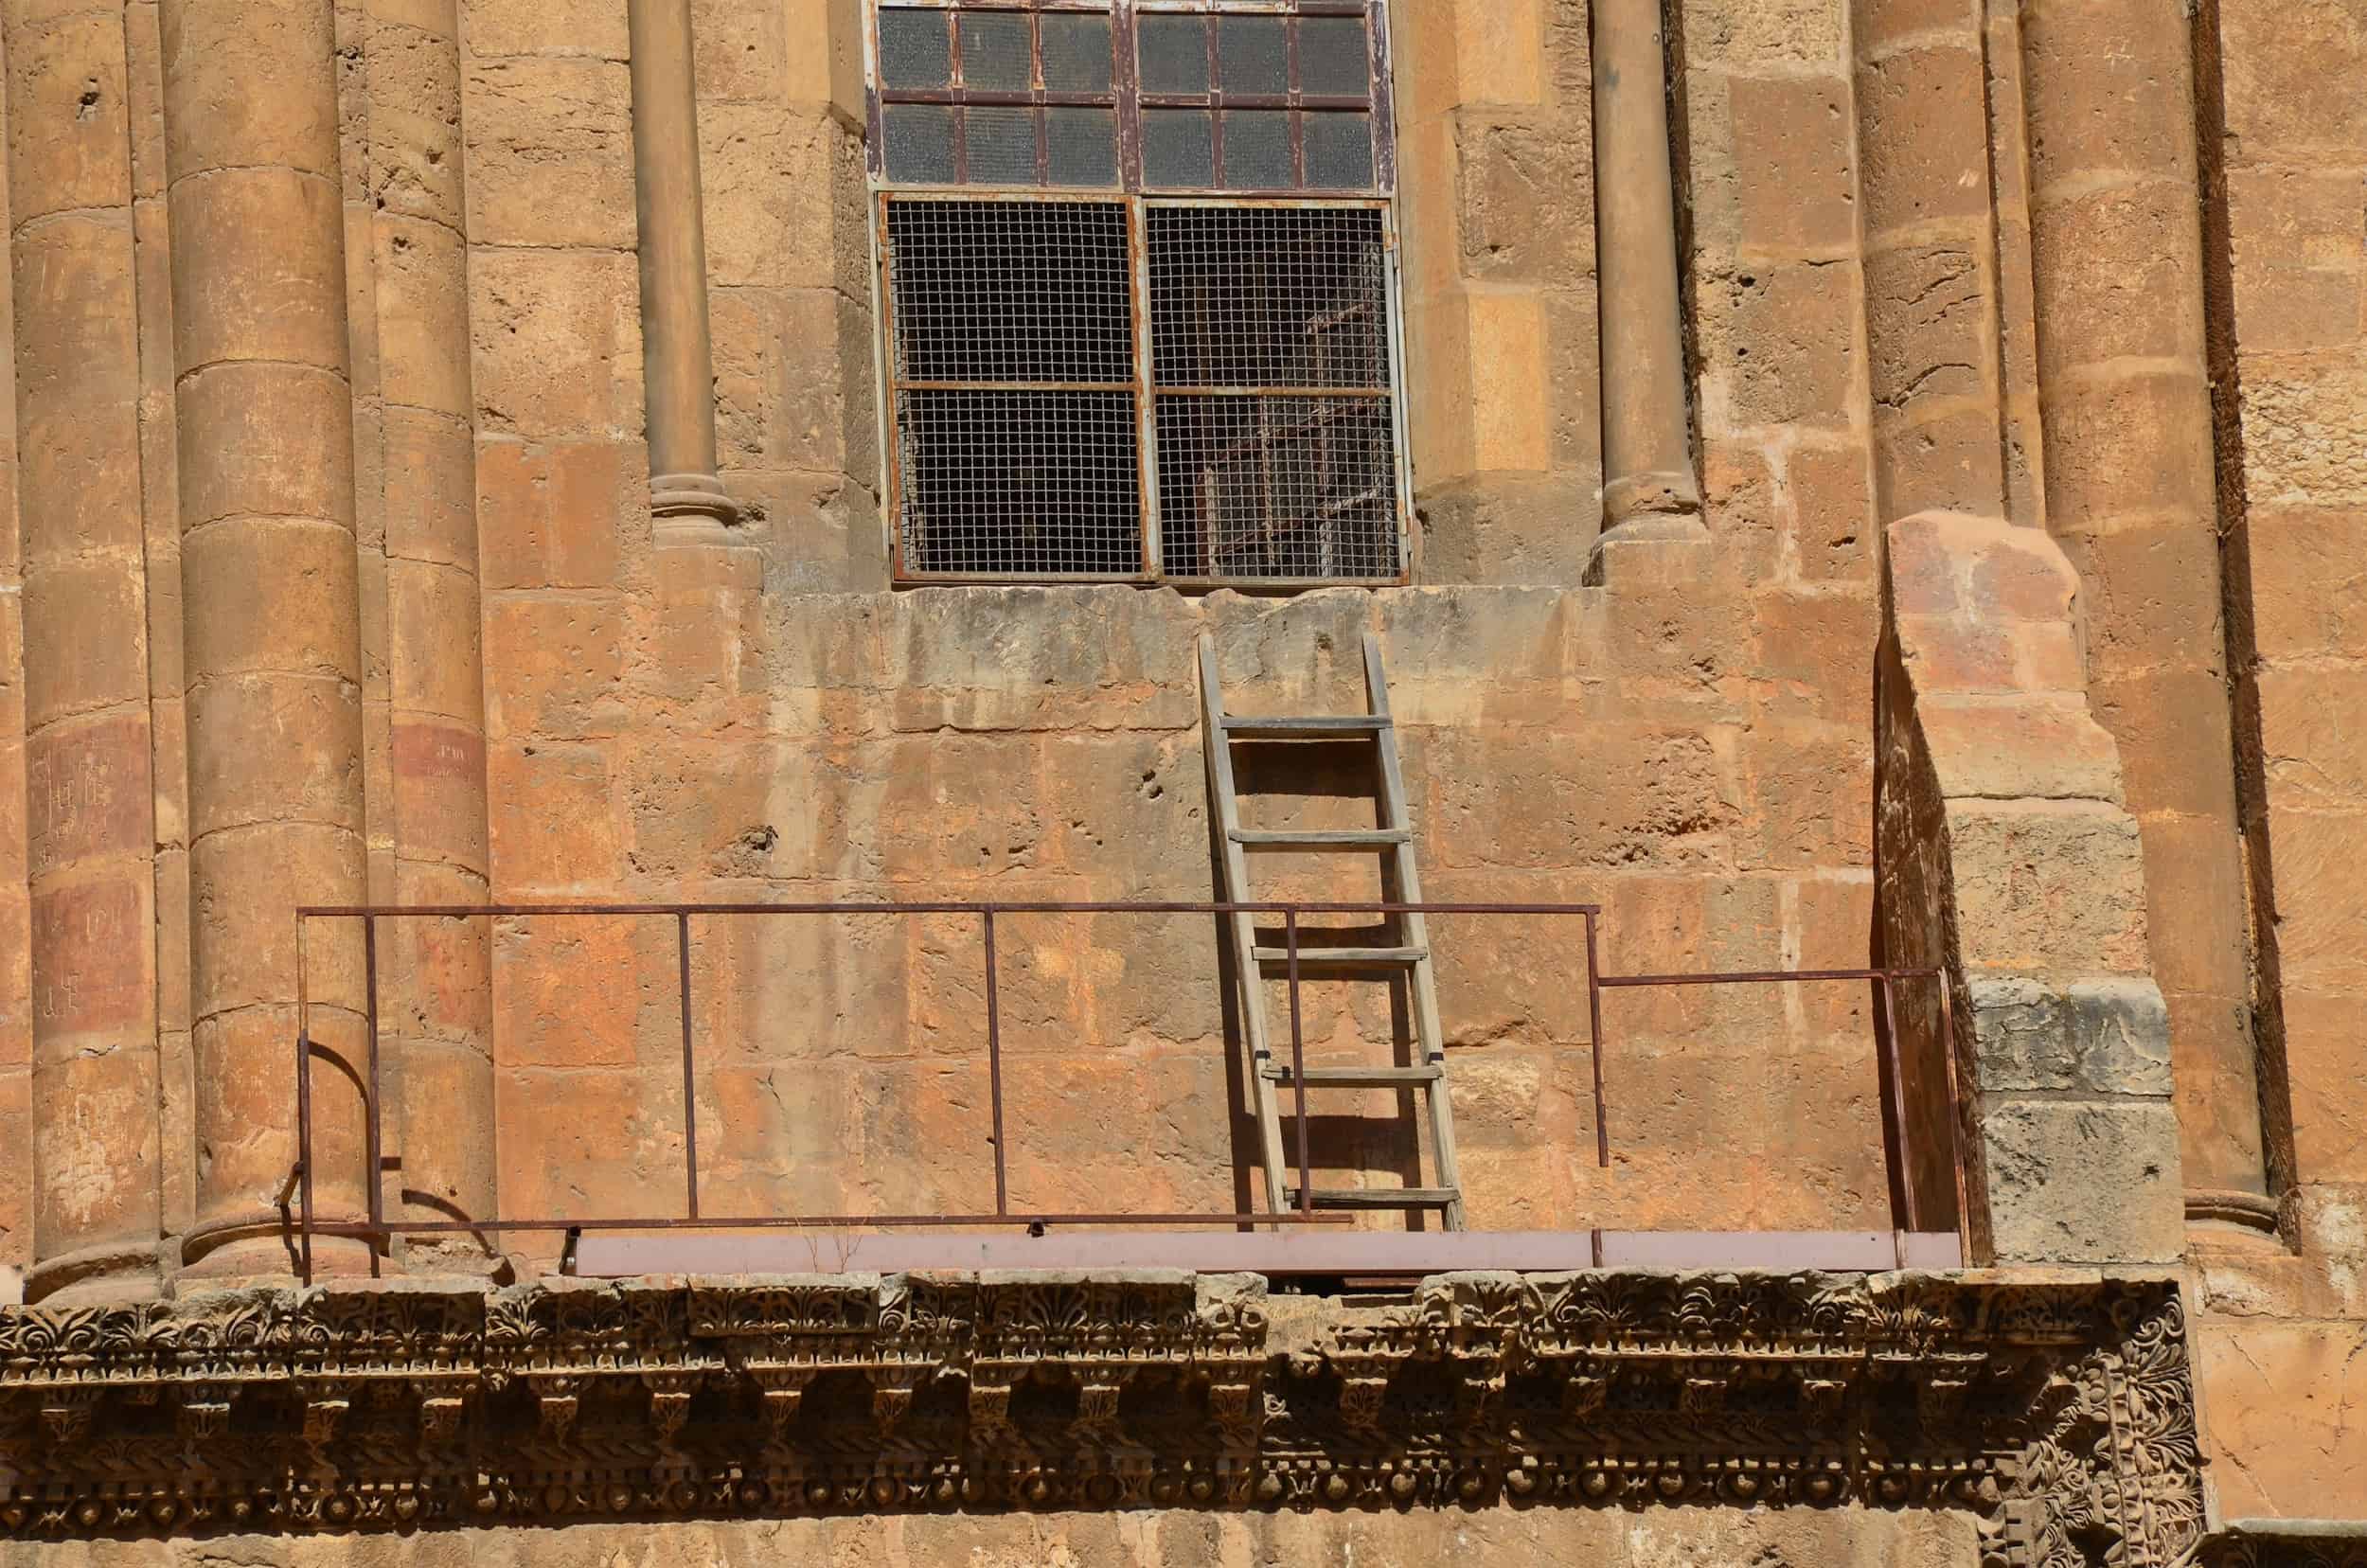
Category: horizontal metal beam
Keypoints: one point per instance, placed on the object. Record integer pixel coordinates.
(1327, 1252)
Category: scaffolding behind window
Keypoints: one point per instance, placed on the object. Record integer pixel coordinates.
(1138, 283)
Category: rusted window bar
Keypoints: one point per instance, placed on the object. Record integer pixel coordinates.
(994, 1069)
(378, 1229)
(1594, 1040)
(689, 1081)
(374, 1163)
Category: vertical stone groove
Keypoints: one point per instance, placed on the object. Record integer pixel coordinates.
(91, 831)
(271, 606)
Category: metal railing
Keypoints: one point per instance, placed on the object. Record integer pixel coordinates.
(1909, 1207)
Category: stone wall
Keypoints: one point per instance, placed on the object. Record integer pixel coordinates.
(2283, 1345)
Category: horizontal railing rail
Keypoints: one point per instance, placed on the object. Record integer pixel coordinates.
(376, 1226)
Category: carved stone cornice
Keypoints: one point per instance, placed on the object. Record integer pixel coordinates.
(2056, 1409)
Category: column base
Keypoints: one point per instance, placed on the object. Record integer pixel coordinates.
(110, 1272)
(692, 499)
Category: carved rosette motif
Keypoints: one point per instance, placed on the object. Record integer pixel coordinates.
(2061, 1415)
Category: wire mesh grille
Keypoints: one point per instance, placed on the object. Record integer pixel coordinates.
(1017, 396)
(1277, 433)
(1012, 356)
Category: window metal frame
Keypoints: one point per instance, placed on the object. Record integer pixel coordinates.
(1126, 102)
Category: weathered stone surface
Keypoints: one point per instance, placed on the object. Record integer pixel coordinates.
(2110, 1037)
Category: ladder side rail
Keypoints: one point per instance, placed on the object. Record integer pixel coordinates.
(1414, 932)
(1249, 983)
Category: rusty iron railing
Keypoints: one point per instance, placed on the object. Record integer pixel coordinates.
(1910, 1209)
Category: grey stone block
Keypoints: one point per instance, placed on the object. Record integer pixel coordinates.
(2106, 1036)
(2083, 1182)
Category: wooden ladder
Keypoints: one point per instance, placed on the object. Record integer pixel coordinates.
(1400, 883)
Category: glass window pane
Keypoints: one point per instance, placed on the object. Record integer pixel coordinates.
(1257, 149)
(1076, 54)
(914, 51)
(1252, 54)
(996, 52)
(1002, 146)
(919, 139)
(1084, 146)
(1177, 148)
(1174, 53)
(1340, 152)
(1334, 59)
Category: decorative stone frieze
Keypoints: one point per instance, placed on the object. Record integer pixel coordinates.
(2056, 1408)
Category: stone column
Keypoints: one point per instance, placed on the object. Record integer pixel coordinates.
(272, 611)
(1649, 489)
(91, 826)
(677, 357)
(1935, 372)
(2131, 492)
(440, 1051)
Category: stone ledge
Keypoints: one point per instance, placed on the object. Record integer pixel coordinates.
(2043, 1403)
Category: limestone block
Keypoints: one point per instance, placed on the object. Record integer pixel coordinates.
(219, 222)
(554, 825)
(1924, 327)
(571, 27)
(264, 440)
(2296, 551)
(2321, 900)
(1912, 106)
(2082, 1182)
(67, 97)
(2278, 1402)
(2104, 1036)
(550, 151)
(2050, 749)
(421, 283)
(276, 583)
(1527, 196)
(1778, 343)
(439, 779)
(2115, 253)
(1748, 32)
(1793, 178)
(2049, 887)
(557, 342)
(555, 665)
(2132, 442)
(433, 614)
(88, 614)
(233, 783)
(431, 516)
(2322, 1049)
(760, 173)
(268, 95)
(549, 514)
(416, 158)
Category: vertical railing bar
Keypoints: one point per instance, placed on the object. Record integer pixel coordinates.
(371, 1154)
(1898, 1151)
(1298, 1063)
(1595, 1024)
(304, 1107)
(1955, 1120)
(689, 1076)
(994, 1071)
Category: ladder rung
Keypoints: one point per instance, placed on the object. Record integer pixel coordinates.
(1358, 1077)
(1350, 838)
(1347, 957)
(1379, 1198)
(1341, 727)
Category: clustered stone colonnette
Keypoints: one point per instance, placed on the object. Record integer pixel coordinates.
(1921, 507)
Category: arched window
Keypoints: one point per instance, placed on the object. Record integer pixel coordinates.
(1138, 288)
